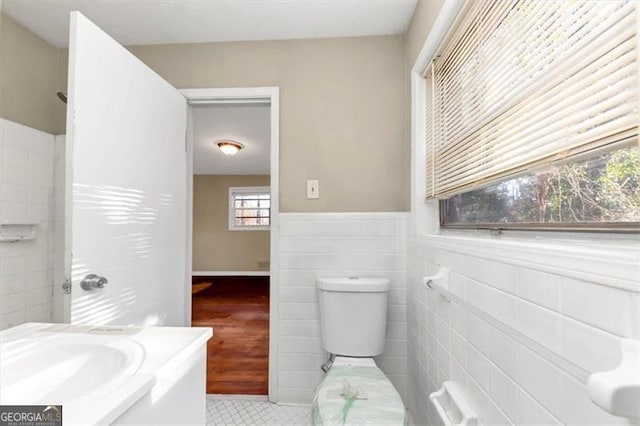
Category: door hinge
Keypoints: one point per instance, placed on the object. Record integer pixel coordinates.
(66, 286)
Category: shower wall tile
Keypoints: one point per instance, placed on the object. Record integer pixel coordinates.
(26, 194)
(336, 244)
(520, 336)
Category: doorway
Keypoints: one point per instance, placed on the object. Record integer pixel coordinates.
(234, 234)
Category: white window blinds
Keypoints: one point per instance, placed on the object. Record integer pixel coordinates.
(523, 84)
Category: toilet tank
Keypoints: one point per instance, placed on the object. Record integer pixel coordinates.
(353, 315)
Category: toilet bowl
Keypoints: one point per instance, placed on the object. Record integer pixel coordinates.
(377, 402)
(355, 391)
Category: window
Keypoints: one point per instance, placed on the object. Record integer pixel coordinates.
(249, 208)
(532, 116)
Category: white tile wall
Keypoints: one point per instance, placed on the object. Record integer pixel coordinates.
(336, 244)
(26, 193)
(574, 321)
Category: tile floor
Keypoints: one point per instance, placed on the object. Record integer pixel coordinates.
(251, 412)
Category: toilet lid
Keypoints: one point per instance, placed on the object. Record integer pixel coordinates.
(382, 405)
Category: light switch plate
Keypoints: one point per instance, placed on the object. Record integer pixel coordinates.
(313, 189)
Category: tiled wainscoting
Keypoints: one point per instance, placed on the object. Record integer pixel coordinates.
(336, 244)
(26, 194)
(527, 325)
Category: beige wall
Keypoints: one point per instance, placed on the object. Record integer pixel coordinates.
(28, 67)
(423, 19)
(424, 16)
(342, 111)
(215, 248)
(344, 104)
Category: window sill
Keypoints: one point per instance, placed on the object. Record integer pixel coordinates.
(251, 228)
(609, 260)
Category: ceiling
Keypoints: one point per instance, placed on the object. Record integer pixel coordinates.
(248, 124)
(195, 21)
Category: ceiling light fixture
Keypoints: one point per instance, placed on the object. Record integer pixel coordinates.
(229, 147)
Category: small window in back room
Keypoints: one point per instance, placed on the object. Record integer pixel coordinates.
(249, 208)
(532, 117)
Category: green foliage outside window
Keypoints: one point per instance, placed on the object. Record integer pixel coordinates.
(604, 189)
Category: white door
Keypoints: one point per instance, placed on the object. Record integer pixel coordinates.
(126, 186)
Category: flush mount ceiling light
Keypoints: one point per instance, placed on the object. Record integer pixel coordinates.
(229, 147)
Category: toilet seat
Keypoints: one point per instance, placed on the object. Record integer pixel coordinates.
(382, 406)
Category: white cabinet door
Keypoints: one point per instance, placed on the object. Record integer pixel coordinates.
(126, 186)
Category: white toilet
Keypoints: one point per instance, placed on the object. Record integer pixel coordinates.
(353, 313)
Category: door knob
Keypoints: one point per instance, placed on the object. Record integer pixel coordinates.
(91, 281)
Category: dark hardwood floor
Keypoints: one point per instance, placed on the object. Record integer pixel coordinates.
(238, 353)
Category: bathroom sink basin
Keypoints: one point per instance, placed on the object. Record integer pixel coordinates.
(97, 373)
(50, 373)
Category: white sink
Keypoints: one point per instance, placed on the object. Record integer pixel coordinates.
(96, 373)
(65, 371)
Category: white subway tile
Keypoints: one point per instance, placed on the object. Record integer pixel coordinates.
(443, 333)
(459, 349)
(295, 395)
(294, 328)
(288, 244)
(386, 227)
(478, 295)
(393, 365)
(488, 413)
(290, 294)
(477, 269)
(388, 245)
(478, 367)
(294, 379)
(458, 372)
(478, 333)
(459, 318)
(531, 413)
(522, 387)
(458, 285)
(504, 391)
(395, 348)
(502, 276)
(295, 311)
(603, 307)
(503, 351)
(397, 296)
(397, 330)
(539, 287)
(503, 307)
(289, 277)
(539, 324)
(15, 153)
(294, 345)
(588, 347)
(540, 379)
(337, 244)
(397, 313)
(577, 409)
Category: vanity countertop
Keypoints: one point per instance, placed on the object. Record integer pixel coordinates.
(95, 372)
